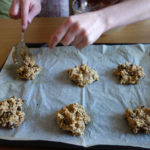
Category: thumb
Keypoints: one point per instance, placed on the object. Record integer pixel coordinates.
(34, 10)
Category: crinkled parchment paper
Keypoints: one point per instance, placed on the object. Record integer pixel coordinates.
(105, 100)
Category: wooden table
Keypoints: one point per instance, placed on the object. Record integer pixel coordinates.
(41, 29)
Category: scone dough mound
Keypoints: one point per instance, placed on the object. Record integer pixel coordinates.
(73, 118)
(28, 70)
(129, 73)
(82, 75)
(138, 119)
(11, 114)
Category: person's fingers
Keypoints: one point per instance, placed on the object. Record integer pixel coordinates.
(24, 13)
(33, 11)
(59, 34)
(84, 42)
(71, 34)
(14, 9)
(79, 38)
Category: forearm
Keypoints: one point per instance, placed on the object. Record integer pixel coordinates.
(84, 29)
(124, 13)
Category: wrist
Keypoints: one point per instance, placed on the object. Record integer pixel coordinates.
(110, 18)
(103, 20)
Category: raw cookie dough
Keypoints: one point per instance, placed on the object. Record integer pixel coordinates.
(138, 119)
(11, 114)
(73, 118)
(129, 73)
(23, 52)
(82, 75)
(28, 70)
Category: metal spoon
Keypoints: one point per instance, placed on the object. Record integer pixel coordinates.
(20, 50)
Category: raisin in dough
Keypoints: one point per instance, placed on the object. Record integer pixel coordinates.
(129, 73)
(82, 75)
(73, 118)
(138, 119)
(28, 70)
(11, 114)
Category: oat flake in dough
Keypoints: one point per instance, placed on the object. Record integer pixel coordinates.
(129, 73)
(73, 118)
(11, 114)
(82, 75)
(138, 119)
(28, 70)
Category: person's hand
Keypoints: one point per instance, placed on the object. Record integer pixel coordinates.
(25, 9)
(79, 30)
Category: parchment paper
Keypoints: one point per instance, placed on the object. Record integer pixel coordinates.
(105, 101)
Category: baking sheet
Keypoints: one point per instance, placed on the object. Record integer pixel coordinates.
(105, 101)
